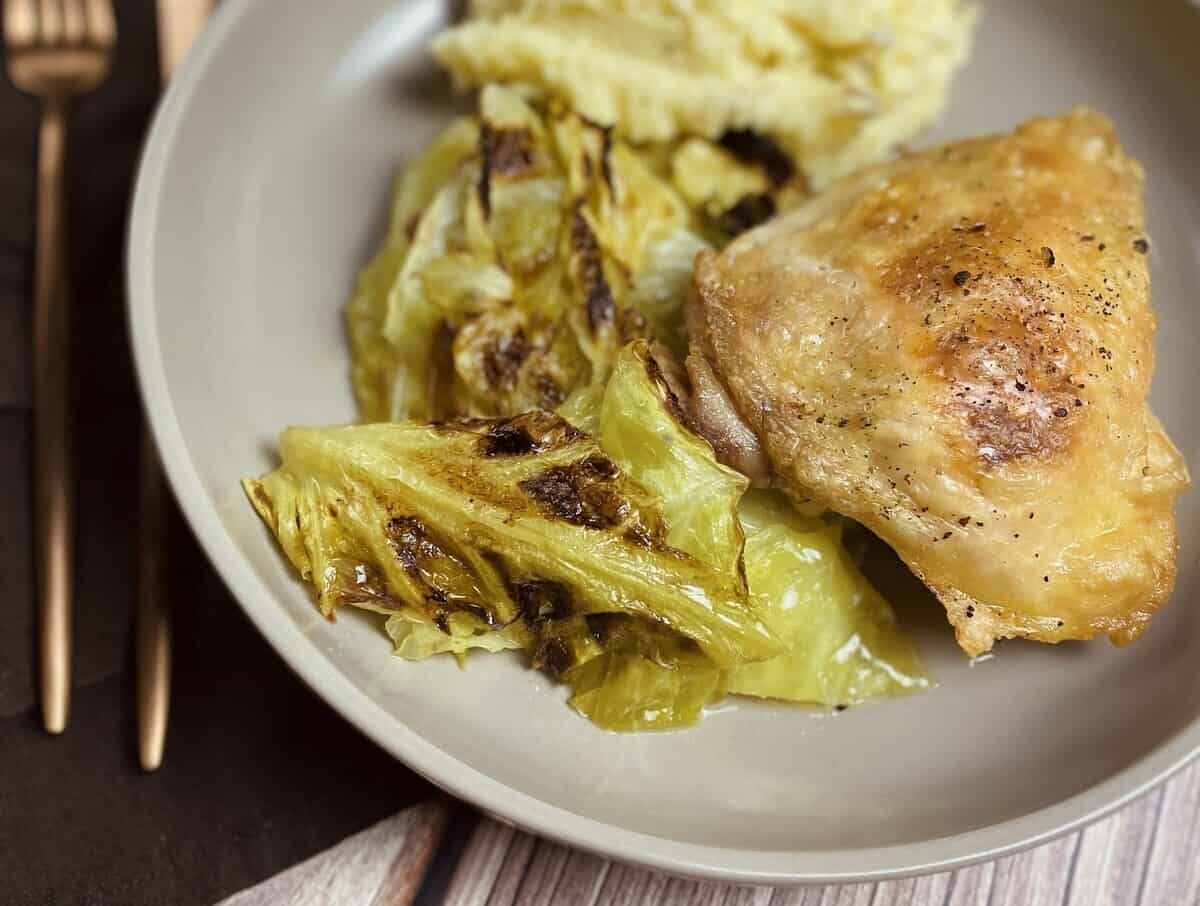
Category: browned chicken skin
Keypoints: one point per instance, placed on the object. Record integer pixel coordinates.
(955, 350)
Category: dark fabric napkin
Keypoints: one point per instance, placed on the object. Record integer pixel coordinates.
(259, 773)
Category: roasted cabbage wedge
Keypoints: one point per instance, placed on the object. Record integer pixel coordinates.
(629, 674)
(633, 567)
(642, 427)
(387, 320)
(733, 184)
(494, 522)
(526, 248)
(417, 637)
(843, 643)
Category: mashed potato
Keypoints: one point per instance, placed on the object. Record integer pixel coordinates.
(835, 84)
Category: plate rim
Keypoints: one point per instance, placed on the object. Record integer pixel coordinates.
(505, 803)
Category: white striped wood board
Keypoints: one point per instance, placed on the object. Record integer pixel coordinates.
(1148, 854)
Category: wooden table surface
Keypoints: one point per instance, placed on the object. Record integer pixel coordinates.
(1144, 855)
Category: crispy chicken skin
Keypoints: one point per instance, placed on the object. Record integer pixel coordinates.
(955, 350)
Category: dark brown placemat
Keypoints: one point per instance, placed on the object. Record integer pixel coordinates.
(17, 131)
(259, 773)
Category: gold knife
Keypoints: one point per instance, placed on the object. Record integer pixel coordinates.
(179, 22)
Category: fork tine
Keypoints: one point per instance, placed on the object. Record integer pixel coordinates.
(50, 24)
(74, 21)
(20, 22)
(101, 27)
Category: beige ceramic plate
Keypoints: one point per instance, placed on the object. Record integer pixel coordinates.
(263, 190)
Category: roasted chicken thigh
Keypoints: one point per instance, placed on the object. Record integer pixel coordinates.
(955, 350)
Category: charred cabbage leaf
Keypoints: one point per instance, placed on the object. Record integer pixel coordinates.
(526, 248)
(641, 426)
(735, 184)
(844, 645)
(386, 319)
(498, 519)
(634, 568)
(630, 674)
(417, 637)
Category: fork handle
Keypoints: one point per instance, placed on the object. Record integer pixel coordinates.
(153, 612)
(53, 483)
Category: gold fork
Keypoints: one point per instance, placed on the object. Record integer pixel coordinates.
(57, 50)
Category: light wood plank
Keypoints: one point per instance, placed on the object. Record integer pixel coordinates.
(1173, 869)
(782, 896)
(582, 879)
(930, 890)
(512, 872)
(481, 863)
(1112, 856)
(426, 828)
(801, 896)
(354, 871)
(541, 876)
(694, 893)
(971, 886)
(847, 895)
(1036, 876)
(542, 873)
(629, 886)
(844, 895)
(748, 896)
